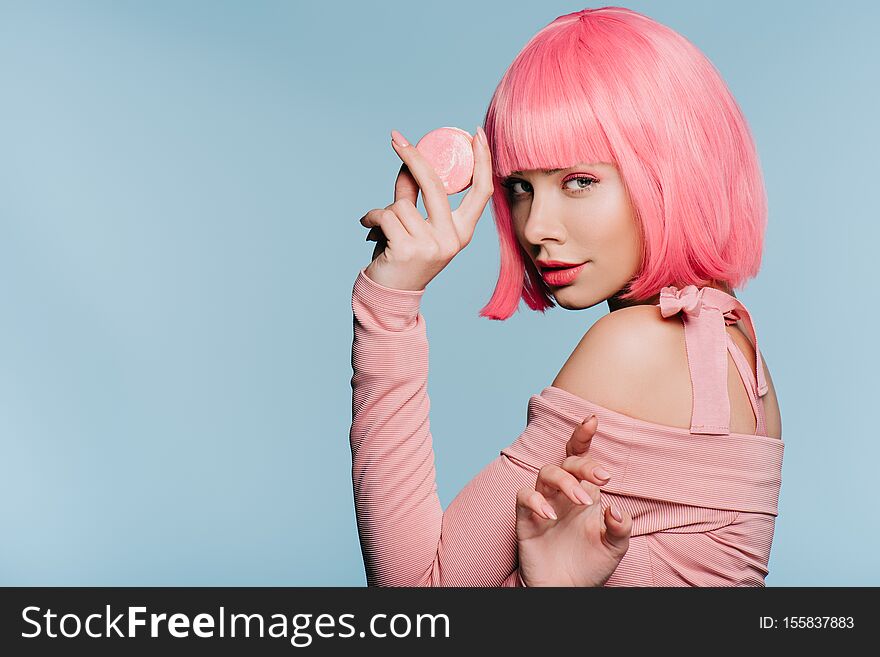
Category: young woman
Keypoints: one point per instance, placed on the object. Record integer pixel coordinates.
(620, 169)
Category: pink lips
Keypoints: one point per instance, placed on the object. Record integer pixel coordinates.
(565, 276)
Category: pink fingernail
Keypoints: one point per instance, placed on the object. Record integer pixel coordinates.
(548, 510)
(583, 495)
(616, 514)
(398, 139)
(601, 473)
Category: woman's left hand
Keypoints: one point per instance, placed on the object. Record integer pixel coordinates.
(583, 545)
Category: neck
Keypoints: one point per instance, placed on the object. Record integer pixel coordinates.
(616, 303)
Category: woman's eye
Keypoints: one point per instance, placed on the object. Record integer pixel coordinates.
(511, 185)
(582, 183)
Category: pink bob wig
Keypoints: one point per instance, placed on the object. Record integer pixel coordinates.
(612, 85)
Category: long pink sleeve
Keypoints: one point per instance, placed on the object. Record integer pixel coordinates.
(406, 538)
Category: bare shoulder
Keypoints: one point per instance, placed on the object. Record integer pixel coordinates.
(632, 361)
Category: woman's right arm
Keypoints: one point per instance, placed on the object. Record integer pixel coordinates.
(406, 538)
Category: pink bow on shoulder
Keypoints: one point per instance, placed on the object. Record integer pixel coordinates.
(672, 300)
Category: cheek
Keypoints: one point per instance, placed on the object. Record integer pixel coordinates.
(621, 215)
(632, 251)
(518, 229)
(618, 238)
(626, 232)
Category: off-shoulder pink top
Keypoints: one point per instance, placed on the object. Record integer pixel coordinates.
(703, 500)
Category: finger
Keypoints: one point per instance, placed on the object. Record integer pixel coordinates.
(552, 478)
(529, 500)
(474, 203)
(433, 192)
(591, 489)
(584, 467)
(617, 532)
(406, 187)
(388, 222)
(375, 234)
(410, 217)
(579, 443)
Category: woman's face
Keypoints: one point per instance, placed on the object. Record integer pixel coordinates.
(577, 215)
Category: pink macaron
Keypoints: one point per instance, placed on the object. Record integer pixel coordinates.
(450, 152)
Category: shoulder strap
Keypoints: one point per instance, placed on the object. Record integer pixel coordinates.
(705, 313)
(748, 379)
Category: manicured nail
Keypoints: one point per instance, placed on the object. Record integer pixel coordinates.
(588, 419)
(616, 514)
(548, 511)
(582, 495)
(601, 472)
(482, 134)
(399, 139)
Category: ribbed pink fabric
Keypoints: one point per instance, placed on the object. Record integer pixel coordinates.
(703, 501)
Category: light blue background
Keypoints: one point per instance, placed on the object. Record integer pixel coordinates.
(180, 189)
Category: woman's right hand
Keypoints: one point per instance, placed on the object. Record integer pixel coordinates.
(411, 251)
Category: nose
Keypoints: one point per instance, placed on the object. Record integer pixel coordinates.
(543, 223)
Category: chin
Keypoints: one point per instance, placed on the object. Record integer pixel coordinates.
(570, 298)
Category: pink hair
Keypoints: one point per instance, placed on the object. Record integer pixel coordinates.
(612, 85)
